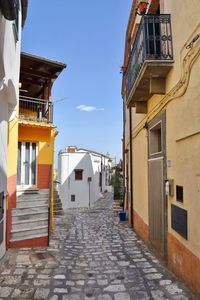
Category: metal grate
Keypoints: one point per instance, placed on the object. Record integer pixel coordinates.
(33, 109)
(153, 42)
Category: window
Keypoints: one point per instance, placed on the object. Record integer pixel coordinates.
(78, 174)
(179, 193)
(72, 198)
(100, 179)
(155, 139)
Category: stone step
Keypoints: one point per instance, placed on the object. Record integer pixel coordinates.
(29, 232)
(32, 197)
(57, 200)
(29, 210)
(34, 236)
(59, 212)
(57, 205)
(44, 191)
(117, 206)
(32, 203)
(42, 214)
(29, 223)
(57, 208)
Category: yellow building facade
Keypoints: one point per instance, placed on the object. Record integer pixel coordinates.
(31, 155)
(161, 92)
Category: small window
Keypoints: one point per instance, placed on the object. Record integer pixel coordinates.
(155, 139)
(100, 179)
(73, 198)
(179, 193)
(78, 174)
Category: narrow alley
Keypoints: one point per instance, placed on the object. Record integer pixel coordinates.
(91, 256)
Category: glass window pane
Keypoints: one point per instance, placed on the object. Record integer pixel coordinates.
(27, 163)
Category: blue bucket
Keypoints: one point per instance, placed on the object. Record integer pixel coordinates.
(122, 216)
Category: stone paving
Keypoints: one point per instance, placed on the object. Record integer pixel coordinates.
(91, 256)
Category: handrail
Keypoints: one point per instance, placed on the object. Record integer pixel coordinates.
(34, 109)
(153, 42)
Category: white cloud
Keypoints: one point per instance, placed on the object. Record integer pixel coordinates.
(88, 108)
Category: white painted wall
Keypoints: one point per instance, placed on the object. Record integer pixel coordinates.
(85, 193)
(9, 80)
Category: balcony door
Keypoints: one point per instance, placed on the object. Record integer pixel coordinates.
(27, 164)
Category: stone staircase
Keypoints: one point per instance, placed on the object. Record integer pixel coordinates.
(30, 217)
(57, 207)
(116, 206)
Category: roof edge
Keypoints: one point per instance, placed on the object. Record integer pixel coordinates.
(51, 61)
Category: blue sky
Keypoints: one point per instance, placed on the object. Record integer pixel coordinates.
(89, 37)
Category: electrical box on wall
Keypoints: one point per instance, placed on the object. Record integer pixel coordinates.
(169, 187)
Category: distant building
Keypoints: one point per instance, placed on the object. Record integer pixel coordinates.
(161, 157)
(12, 17)
(83, 175)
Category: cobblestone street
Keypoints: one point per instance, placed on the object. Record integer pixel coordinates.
(91, 256)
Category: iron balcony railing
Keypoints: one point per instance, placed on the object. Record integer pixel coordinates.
(153, 42)
(32, 109)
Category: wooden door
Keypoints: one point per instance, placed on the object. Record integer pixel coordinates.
(156, 183)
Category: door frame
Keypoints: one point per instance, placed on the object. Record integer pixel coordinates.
(159, 155)
(23, 185)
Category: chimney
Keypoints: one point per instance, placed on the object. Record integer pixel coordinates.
(71, 149)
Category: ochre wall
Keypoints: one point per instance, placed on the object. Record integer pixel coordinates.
(182, 107)
(42, 136)
(183, 150)
(12, 146)
(12, 172)
(140, 175)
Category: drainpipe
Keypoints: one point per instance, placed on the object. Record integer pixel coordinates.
(101, 174)
(123, 155)
(131, 165)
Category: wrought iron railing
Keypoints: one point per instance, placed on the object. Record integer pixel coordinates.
(33, 109)
(153, 42)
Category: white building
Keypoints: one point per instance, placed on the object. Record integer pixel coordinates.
(12, 15)
(83, 175)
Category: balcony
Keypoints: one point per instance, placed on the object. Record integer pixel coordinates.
(35, 110)
(150, 61)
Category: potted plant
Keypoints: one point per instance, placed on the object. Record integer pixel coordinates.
(142, 6)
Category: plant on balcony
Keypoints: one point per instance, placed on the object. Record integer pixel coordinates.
(123, 70)
(142, 6)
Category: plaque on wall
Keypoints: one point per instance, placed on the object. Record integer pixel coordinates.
(179, 220)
